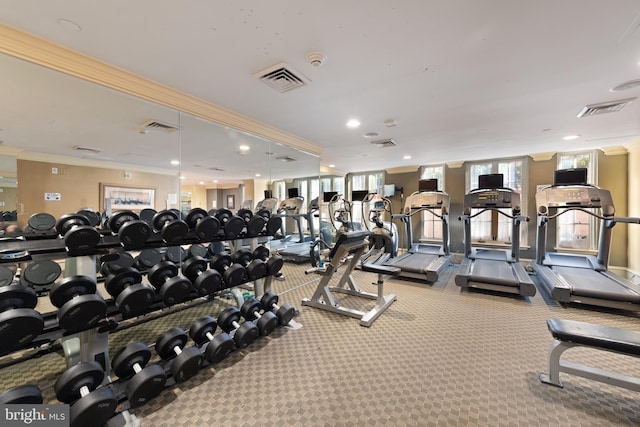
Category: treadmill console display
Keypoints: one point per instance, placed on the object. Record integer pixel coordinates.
(291, 206)
(434, 200)
(574, 196)
(500, 198)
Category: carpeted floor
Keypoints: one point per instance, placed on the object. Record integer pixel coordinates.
(437, 356)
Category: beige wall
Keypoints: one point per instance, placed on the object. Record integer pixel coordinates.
(79, 187)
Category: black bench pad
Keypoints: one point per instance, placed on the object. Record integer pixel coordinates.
(381, 269)
(589, 334)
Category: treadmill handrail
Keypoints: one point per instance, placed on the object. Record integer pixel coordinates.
(483, 210)
(585, 210)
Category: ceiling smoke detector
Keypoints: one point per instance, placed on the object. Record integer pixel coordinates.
(316, 59)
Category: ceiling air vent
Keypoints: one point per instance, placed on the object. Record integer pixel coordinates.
(286, 158)
(156, 125)
(605, 107)
(87, 150)
(282, 77)
(382, 143)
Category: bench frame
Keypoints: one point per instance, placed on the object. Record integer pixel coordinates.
(556, 366)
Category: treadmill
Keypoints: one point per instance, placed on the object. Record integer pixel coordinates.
(289, 248)
(579, 278)
(493, 269)
(424, 261)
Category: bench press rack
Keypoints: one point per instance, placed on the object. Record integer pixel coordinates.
(570, 333)
(348, 249)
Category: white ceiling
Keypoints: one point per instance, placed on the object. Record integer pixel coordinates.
(463, 79)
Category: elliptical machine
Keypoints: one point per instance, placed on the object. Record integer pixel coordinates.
(383, 241)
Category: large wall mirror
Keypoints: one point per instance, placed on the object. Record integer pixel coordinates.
(68, 143)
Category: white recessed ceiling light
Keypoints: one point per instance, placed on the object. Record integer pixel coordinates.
(570, 137)
(258, 175)
(353, 123)
(244, 148)
(175, 162)
(215, 181)
(332, 165)
(201, 182)
(181, 176)
(407, 157)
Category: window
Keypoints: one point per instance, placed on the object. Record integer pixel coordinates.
(372, 182)
(576, 229)
(491, 226)
(279, 190)
(431, 224)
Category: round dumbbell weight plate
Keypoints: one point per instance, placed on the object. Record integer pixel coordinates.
(264, 213)
(135, 299)
(94, 409)
(274, 265)
(148, 258)
(198, 249)
(175, 232)
(78, 234)
(201, 327)
(233, 227)
(245, 334)
(93, 217)
(19, 326)
(145, 385)
(249, 308)
(175, 290)
(223, 216)
(42, 222)
(161, 218)
(273, 225)
(83, 312)
(285, 313)
(267, 323)
(209, 282)
(6, 276)
(255, 226)
(40, 273)
(175, 254)
(125, 359)
(207, 228)
(261, 252)
(186, 364)
(116, 282)
(174, 337)
(158, 272)
(123, 260)
(245, 214)
(84, 374)
(69, 287)
(23, 394)
(257, 269)
(17, 296)
(219, 348)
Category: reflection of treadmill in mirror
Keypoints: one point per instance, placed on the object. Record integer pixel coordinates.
(290, 248)
(488, 268)
(424, 261)
(572, 277)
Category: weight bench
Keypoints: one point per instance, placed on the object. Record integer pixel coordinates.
(569, 334)
(348, 249)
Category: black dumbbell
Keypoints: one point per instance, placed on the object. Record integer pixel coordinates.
(40, 273)
(205, 226)
(214, 249)
(186, 360)
(131, 295)
(79, 307)
(172, 287)
(198, 249)
(78, 234)
(131, 230)
(175, 254)
(232, 274)
(173, 229)
(91, 405)
(267, 321)
(6, 276)
(115, 262)
(206, 280)
(254, 224)
(147, 258)
(274, 224)
(147, 215)
(243, 334)
(230, 223)
(218, 346)
(274, 263)
(92, 216)
(255, 268)
(22, 394)
(19, 322)
(142, 382)
(40, 225)
(285, 312)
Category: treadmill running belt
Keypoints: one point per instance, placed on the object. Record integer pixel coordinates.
(492, 271)
(592, 284)
(416, 262)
